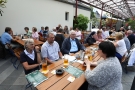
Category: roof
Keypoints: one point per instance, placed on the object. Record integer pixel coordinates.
(72, 2)
(121, 8)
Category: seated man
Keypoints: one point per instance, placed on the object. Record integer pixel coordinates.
(50, 49)
(30, 57)
(42, 30)
(131, 37)
(71, 44)
(6, 38)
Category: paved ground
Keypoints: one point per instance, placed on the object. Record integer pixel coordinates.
(12, 79)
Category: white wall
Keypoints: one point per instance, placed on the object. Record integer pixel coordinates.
(85, 13)
(34, 13)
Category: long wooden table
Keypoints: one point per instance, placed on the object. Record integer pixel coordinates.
(56, 82)
(36, 42)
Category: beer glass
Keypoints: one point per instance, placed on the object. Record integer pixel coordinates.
(65, 60)
(90, 57)
(44, 66)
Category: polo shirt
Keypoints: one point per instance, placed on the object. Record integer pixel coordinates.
(6, 38)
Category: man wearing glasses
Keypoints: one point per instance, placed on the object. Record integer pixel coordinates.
(71, 44)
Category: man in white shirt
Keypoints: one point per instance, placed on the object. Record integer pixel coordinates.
(105, 33)
(50, 49)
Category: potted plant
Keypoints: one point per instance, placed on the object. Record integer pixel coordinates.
(81, 22)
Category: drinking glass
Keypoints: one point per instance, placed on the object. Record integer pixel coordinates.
(66, 60)
(44, 66)
(90, 57)
(77, 57)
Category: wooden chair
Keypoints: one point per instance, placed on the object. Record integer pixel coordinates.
(82, 41)
(42, 39)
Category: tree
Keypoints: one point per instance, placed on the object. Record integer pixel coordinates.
(2, 4)
(131, 22)
(81, 22)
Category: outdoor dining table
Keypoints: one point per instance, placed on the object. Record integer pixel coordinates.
(22, 42)
(60, 82)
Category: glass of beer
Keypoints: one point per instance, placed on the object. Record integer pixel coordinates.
(44, 66)
(90, 57)
(65, 60)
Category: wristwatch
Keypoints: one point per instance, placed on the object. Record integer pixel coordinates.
(37, 51)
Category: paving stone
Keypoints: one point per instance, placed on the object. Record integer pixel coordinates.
(4, 87)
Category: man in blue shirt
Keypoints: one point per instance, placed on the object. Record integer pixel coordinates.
(71, 44)
(6, 38)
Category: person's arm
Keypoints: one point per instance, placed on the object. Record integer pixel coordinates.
(80, 45)
(64, 48)
(28, 67)
(38, 54)
(60, 54)
(48, 60)
(115, 44)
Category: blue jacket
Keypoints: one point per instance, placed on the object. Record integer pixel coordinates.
(66, 46)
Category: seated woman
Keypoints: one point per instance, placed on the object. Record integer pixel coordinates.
(120, 45)
(28, 32)
(35, 33)
(31, 57)
(108, 73)
(91, 39)
(59, 38)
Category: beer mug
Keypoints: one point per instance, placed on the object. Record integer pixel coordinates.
(90, 57)
(66, 60)
(44, 66)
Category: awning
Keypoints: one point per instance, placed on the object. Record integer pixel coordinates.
(120, 8)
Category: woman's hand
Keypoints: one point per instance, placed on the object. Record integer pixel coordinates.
(37, 48)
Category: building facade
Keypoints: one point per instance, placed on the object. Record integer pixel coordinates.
(36, 13)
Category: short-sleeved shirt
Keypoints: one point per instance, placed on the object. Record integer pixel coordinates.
(6, 38)
(25, 58)
(121, 48)
(50, 51)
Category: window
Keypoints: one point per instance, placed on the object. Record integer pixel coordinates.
(66, 16)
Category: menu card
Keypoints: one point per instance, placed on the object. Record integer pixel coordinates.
(36, 78)
(74, 71)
